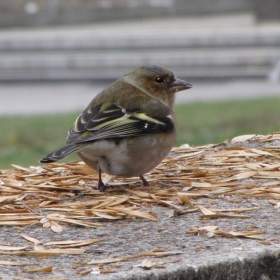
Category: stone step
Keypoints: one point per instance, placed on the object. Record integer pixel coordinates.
(109, 64)
(121, 58)
(230, 46)
(114, 73)
(146, 41)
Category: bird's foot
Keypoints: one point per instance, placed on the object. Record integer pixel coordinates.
(102, 187)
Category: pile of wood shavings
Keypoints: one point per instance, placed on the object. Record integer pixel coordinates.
(54, 194)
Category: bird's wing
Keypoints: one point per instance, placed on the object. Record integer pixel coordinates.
(113, 121)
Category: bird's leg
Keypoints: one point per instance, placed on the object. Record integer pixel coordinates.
(145, 182)
(101, 186)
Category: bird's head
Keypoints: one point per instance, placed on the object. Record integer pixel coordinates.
(157, 82)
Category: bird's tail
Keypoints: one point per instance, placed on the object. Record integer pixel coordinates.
(61, 153)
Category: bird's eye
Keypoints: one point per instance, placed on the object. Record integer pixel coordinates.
(159, 80)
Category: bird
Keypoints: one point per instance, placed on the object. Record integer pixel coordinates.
(129, 127)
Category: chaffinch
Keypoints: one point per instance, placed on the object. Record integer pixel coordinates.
(129, 127)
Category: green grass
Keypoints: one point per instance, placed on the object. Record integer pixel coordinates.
(26, 139)
(213, 122)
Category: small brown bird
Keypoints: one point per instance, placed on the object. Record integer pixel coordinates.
(129, 127)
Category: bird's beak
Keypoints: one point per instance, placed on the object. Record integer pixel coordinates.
(179, 85)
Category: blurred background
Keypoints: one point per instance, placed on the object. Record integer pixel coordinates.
(56, 55)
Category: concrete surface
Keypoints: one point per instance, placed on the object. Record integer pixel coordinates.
(36, 98)
(201, 257)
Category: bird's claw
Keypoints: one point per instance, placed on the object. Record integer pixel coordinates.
(103, 187)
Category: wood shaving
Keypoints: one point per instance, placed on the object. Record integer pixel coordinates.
(63, 193)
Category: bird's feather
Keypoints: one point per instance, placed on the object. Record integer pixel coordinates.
(61, 153)
(113, 121)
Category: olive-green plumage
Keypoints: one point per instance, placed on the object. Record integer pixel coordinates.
(129, 127)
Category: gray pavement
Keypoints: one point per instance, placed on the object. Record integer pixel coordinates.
(36, 98)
